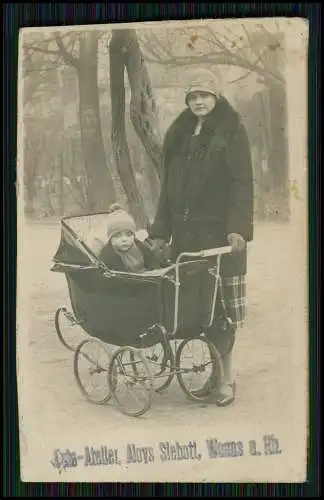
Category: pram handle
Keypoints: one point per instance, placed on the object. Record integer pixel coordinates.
(209, 252)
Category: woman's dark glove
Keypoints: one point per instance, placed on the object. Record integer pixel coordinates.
(160, 249)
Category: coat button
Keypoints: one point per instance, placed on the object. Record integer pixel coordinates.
(186, 214)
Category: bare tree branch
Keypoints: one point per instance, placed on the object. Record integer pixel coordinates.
(248, 73)
(48, 40)
(258, 53)
(252, 47)
(44, 51)
(277, 25)
(42, 46)
(241, 78)
(234, 36)
(68, 57)
(154, 51)
(72, 45)
(244, 76)
(219, 59)
(62, 53)
(44, 68)
(217, 41)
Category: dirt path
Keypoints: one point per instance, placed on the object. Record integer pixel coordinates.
(267, 359)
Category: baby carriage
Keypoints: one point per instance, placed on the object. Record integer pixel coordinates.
(138, 328)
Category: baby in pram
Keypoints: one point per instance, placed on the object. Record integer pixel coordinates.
(122, 251)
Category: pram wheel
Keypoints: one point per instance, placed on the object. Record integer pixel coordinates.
(131, 380)
(161, 361)
(200, 373)
(91, 362)
(64, 320)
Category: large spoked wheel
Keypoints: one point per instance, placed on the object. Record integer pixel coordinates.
(161, 361)
(131, 381)
(66, 322)
(199, 368)
(91, 361)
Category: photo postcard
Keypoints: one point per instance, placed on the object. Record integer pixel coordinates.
(162, 317)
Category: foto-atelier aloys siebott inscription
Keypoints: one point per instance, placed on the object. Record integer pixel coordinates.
(165, 451)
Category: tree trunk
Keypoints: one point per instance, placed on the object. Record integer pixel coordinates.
(274, 123)
(278, 160)
(152, 181)
(30, 172)
(61, 183)
(277, 126)
(118, 130)
(142, 106)
(100, 189)
(50, 208)
(149, 181)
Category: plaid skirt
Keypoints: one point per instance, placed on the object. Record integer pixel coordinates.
(233, 298)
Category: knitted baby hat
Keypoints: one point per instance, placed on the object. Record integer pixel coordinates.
(203, 81)
(119, 220)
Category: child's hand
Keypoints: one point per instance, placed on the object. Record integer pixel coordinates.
(236, 241)
(142, 236)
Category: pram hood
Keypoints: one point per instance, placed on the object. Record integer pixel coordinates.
(82, 238)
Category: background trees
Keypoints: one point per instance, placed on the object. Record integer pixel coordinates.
(97, 104)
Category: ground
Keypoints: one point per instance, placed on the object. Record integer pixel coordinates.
(269, 361)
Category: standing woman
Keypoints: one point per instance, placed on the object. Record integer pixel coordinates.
(206, 197)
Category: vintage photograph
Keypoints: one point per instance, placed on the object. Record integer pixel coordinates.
(162, 300)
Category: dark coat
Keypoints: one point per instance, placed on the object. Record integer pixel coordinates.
(114, 262)
(207, 190)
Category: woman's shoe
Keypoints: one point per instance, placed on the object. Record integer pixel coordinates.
(225, 398)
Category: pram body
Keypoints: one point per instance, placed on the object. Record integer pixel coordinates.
(137, 311)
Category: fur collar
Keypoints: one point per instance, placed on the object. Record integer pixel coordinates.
(223, 117)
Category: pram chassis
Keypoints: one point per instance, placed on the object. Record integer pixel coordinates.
(157, 334)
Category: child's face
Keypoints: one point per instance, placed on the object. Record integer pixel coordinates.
(123, 240)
